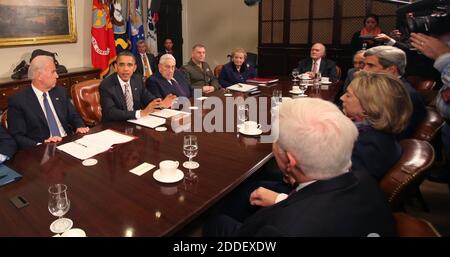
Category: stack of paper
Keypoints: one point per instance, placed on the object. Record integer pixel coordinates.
(167, 113)
(149, 121)
(93, 144)
(262, 80)
(242, 87)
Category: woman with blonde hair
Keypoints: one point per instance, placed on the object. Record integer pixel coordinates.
(380, 107)
(237, 70)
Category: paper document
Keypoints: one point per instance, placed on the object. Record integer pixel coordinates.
(93, 144)
(242, 87)
(167, 113)
(149, 121)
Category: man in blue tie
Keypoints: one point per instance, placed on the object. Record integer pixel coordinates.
(169, 80)
(42, 113)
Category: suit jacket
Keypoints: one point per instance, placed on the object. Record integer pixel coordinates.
(151, 61)
(160, 87)
(114, 106)
(8, 146)
(419, 110)
(343, 89)
(26, 119)
(200, 77)
(327, 67)
(348, 205)
(230, 76)
(375, 152)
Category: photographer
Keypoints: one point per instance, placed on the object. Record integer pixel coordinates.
(439, 50)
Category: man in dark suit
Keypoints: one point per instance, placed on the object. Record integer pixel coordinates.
(358, 64)
(169, 80)
(392, 60)
(328, 199)
(168, 49)
(8, 146)
(318, 63)
(146, 63)
(42, 112)
(123, 95)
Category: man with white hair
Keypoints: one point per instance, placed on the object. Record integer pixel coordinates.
(42, 113)
(314, 151)
(169, 80)
(392, 60)
(318, 63)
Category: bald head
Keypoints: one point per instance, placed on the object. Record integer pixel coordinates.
(317, 51)
(42, 71)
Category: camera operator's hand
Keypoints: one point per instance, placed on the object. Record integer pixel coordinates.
(429, 46)
(383, 37)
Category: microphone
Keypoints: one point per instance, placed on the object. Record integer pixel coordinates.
(251, 2)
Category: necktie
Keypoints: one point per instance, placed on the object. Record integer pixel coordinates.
(147, 70)
(53, 126)
(178, 87)
(128, 97)
(314, 68)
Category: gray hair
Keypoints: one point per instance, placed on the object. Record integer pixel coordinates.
(38, 64)
(318, 135)
(166, 57)
(388, 56)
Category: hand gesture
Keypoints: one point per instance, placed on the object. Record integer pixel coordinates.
(263, 197)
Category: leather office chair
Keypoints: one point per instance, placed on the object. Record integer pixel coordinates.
(409, 226)
(217, 70)
(425, 87)
(430, 126)
(338, 73)
(405, 177)
(86, 99)
(4, 119)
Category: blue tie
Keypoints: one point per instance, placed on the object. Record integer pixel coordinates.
(54, 131)
(179, 88)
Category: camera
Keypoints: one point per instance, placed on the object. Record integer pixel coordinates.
(425, 16)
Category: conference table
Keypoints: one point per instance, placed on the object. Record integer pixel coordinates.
(108, 200)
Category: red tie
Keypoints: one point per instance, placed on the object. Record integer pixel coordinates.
(314, 68)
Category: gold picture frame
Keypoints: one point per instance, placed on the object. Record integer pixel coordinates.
(31, 22)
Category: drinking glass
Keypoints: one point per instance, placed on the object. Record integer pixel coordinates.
(242, 114)
(58, 205)
(295, 73)
(190, 150)
(277, 96)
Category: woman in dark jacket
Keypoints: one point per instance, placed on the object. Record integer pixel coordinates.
(237, 70)
(381, 108)
(365, 38)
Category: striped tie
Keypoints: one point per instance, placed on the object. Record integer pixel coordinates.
(147, 70)
(128, 97)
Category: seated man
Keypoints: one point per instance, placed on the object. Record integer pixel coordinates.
(169, 80)
(318, 63)
(198, 71)
(358, 64)
(123, 95)
(8, 146)
(42, 112)
(392, 60)
(313, 151)
(145, 62)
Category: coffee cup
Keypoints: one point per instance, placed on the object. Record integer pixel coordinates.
(168, 168)
(325, 79)
(251, 126)
(295, 89)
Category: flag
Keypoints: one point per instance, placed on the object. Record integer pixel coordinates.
(103, 50)
(119, 26)
(152, 18)
(135, 29)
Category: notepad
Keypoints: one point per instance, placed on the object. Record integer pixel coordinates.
(8, 175)
(242, 87)
(149, 121)
(167, 113)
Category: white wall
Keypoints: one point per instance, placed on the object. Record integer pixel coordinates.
(71, 55)
(221, 25)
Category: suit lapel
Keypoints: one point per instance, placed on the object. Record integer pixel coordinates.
(35, 105)
(323, 65)
(57, 104)
(135, 93)
(119, 93)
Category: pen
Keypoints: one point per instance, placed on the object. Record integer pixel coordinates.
(80, 144)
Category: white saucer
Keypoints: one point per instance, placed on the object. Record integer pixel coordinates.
(228, 94)
(179, 176)
(57, 230)
(74, 232)
(295, 92)
(161, 129)
(323, 82)
(250, 133)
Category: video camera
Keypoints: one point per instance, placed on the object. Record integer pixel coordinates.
(425, 16)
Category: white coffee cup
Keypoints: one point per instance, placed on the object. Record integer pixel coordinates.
(251, 126)
(325, 79)
(295, 89)
(74, 232)
(168, 168)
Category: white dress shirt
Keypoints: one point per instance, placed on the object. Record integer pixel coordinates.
(3, 158)
(122, 85)
(282, 196)
(40, 97)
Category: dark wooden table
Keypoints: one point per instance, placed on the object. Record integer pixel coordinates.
(108, 200)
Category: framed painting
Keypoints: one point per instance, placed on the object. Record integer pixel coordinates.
(33, 22)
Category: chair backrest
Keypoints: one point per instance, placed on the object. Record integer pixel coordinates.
(252, 59)
(338, 73)
(420, 83)
(408, 173)
(4, 119)
(217, 70)
(429, 127)
(409, 226)
(86, 99)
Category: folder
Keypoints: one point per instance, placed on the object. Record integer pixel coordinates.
(7, 175)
